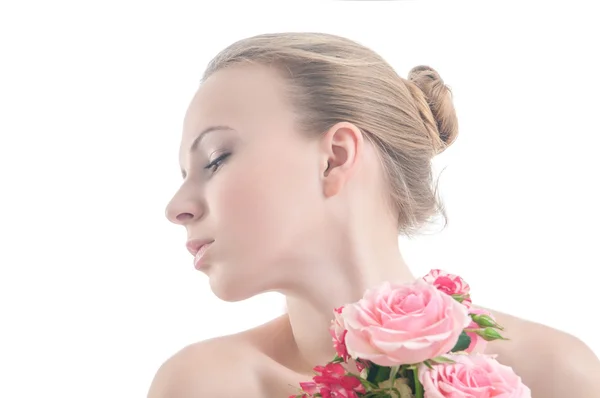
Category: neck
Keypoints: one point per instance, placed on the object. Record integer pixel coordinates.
(310, 308)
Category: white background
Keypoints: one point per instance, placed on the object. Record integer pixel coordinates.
(96, 287)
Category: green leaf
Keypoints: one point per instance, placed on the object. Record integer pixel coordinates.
(443, 360)
(368, 385)
(458, 297)
(378, 373)
(464, 341)
(428, 364)
(337, 359)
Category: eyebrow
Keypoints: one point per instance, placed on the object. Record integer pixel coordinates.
(201, 136)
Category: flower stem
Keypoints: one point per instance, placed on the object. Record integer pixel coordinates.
(418, 386)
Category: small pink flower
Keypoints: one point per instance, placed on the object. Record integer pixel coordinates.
(473, 375)
(338, 334)
(403, 324)
(361, 365)
(332, 382)
(449, 284)
(478, 343)
(309, 388)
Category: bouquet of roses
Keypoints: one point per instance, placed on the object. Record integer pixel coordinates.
(418, 340)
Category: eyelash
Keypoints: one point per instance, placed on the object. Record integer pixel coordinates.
(216, 164)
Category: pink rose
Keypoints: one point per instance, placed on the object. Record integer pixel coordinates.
(478, 343)
(403, 324)
(338, 334)
(473, 375)
(449, 284)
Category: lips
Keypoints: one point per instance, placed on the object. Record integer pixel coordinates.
(198, 263)
(194, 245)
(198, 248)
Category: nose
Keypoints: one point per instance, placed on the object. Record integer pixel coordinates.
(182, 210)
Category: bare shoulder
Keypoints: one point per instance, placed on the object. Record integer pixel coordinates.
(205, 369)
(551, 362)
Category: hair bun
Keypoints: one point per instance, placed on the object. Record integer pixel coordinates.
(439, 99)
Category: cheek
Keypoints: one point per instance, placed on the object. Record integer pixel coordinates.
(259, 205)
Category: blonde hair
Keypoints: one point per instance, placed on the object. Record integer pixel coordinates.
(335, 79)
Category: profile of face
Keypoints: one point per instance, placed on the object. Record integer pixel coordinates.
(251, 182)
(289, 166)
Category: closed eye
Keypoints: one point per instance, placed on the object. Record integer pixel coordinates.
(217, 163)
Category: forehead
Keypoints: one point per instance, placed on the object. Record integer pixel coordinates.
(240, 96)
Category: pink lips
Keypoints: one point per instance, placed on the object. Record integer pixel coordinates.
(198, 248)
(198, 259)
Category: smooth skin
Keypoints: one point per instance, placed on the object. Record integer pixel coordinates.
(305, 216)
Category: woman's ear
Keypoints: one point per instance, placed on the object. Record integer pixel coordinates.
(342, 147)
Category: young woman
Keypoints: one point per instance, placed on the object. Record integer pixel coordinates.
(303, 157)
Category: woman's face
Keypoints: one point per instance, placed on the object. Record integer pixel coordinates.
(251, 182)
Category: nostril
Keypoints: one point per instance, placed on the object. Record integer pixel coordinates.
(184, 216)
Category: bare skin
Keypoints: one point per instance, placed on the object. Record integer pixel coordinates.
(307, 217)
(267, 357)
